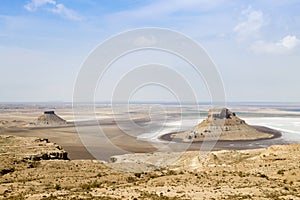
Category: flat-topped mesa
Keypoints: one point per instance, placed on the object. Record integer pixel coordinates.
(49, 118)
(49, 113)
(222, 124)
(220, 113)
(224, 116)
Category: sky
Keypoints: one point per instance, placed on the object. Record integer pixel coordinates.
(254, 44)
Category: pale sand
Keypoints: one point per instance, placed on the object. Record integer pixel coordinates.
(68, 138)
(267, 133)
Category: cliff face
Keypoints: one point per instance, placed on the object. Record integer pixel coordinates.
(30, 149)
(222, 124)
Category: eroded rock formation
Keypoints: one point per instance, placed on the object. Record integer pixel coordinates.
(49, 118)
(222, 124)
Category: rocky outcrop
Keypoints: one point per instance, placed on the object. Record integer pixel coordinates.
(49, 118)
(31, 148)
(48, 156)
(19, 153)
(222, 124)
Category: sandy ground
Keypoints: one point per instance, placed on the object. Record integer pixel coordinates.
(271, 173)
(68, 138)
(266, 173)
(102, 147)
(15, 119)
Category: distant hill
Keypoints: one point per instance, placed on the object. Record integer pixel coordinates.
(49, 118)
(223, 124)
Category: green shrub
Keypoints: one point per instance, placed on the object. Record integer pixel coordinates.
(281, 172)
(57, 187)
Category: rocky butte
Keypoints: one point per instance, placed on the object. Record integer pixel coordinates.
(222, 124)
(49, 118)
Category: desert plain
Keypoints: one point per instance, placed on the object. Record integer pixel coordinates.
(56, 162)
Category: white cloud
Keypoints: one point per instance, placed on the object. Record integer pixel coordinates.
(289, 42)
(35, 4)
(248, 31)
(54, 7)
(61, 10)
(250, 25)
(285, 45)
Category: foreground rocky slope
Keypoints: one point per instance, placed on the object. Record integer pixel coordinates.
(272, 173)
(30, 148)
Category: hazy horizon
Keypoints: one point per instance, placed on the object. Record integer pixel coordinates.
(153, 102)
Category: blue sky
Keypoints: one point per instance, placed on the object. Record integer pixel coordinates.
(255, 44)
